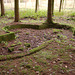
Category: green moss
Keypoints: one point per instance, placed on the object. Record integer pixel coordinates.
(56, 30)
(19, 43)
(21, 48)
(24, 71)
(13, 45)
(72, 39)
(57, 40)
(27, 44)
(38, 68)
(27, 33)
(24, 26)
(11, 49)
(50, 57)
(60, 36)
(7, 37)
(56, 67)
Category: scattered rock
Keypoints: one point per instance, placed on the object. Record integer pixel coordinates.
(17, 52)
(58, 59)
(70, 56)
(61, 71)
(22, 68)
(11, 70)
(37, 72)
(50, 69)
(54, 62)
(3, 71)
(7, 72)
(66, 66)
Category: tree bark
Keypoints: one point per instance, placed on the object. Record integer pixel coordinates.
(37, 5)
(49, 14)
(61, 2)
(16, 7)
(2, 8)
(52, 7)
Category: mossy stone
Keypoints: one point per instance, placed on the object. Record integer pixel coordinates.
(21, 48)
(27, 44)
(13, 45)
(19, 43)
(7, 37)
(27, 33)
(11, 49)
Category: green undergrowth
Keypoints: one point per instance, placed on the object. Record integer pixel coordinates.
(30, 13)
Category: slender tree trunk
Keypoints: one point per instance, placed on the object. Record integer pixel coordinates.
(16, 10)
(74, 4)
(49, 14)
(37, 5)
(2, 8)
(61, 2)
(52, 7)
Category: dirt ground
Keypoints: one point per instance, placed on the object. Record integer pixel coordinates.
(58, 58)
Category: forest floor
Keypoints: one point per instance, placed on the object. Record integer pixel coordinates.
(58, 58)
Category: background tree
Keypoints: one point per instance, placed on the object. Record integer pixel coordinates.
(61, 5)
(49, 14)
(52, 7)
(16, 10)
(37, 5)
(2, 7)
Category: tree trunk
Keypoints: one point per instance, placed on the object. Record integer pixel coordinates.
(52, 7)
(74, 4)
(49, 14)
(2, 8)
(37, 5)
(61, 1)
(16, 10)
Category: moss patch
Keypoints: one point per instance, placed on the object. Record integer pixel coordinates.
(10, 49)
(27, 44)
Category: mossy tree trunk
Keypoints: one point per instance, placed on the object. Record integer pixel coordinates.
(2, 8)
(49, 14)
(37, 5)
(16, 9)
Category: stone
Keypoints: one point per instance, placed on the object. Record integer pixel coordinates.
(61, 71)
(58, 59)
(17, 52)
(54, 62)
(66, 66)
(37, 72)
